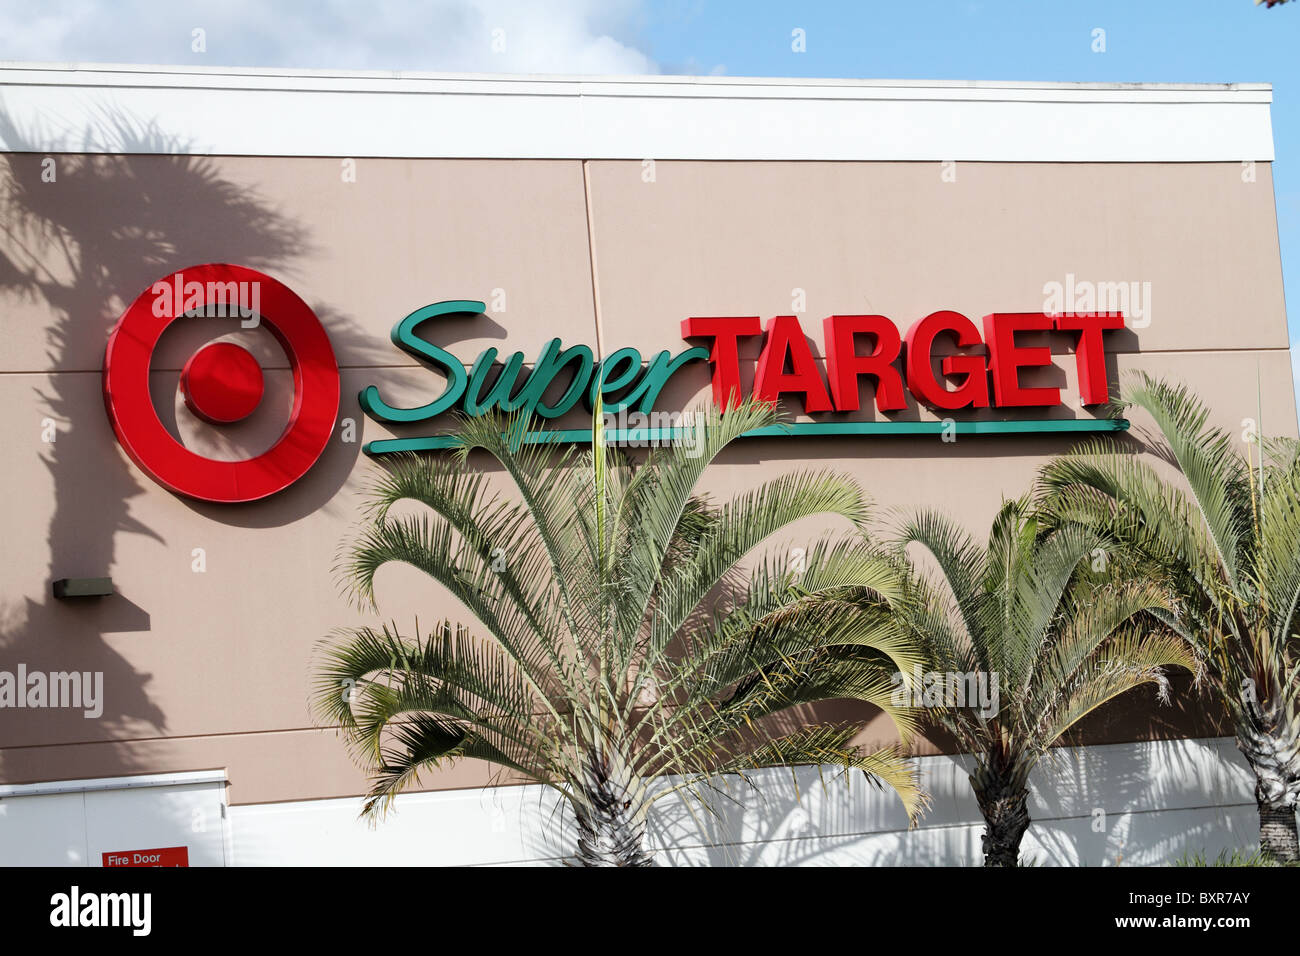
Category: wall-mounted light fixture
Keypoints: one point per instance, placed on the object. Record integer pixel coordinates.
(68, 588)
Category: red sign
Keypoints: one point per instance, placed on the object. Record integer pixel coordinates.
(161, 856)
(222, 383)
(787, 347)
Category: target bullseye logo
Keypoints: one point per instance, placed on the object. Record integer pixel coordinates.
(222, 383)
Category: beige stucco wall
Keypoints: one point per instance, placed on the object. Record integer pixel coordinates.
(211, 669)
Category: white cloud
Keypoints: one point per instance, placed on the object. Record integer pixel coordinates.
(560, 36)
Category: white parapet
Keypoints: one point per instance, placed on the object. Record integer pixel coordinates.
(94, 108)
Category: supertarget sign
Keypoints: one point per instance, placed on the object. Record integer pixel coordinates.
(943, 361)
(222, 383)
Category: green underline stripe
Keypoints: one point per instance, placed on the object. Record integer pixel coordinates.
(616, 436)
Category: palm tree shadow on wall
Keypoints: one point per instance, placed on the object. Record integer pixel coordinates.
(81, 235)
(1139, 804)
(779, 816)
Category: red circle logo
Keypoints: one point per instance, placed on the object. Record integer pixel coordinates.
(222, 383)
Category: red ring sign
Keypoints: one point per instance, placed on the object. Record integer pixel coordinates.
(130, 407)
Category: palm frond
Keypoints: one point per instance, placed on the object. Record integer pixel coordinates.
(633, 630)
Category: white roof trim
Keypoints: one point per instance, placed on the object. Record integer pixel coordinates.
(206, 111)
(138, 781)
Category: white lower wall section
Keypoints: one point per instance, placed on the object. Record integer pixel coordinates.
(1136, 804)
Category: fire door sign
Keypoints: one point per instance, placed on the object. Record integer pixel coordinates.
(161, 856)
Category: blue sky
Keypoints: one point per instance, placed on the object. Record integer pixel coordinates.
(1146, 40)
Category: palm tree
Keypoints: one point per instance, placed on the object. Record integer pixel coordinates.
(600, 660)
(1226, 540)
(1027, 619)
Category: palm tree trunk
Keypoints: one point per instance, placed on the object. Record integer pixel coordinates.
(611, 814)
(1277, 833)
(1004, 801)
(1274, 755)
